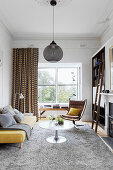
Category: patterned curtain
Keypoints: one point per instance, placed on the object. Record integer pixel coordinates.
(25, 80)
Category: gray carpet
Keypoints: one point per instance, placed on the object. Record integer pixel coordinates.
(83, 150)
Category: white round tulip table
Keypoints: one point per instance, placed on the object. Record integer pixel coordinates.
(51, 125)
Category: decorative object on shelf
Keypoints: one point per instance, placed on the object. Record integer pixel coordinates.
(97, 63)
(53, 53)
(105, 91)
(47, 106)
(56, 106)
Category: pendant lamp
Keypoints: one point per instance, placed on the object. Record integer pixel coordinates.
(60, 3)
(53, 53)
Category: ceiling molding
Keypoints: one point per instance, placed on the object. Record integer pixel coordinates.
(108, 27)
(6, 29)
(31, 36)
(2, 22)
(108, 14)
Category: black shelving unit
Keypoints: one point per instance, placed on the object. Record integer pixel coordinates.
(111, 119)
(99, 57)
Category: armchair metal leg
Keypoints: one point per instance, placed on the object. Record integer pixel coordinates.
(76, 126)
(79, 125)
(74, 122)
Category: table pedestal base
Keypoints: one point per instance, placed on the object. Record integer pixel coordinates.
(53, 140)
(56, 138)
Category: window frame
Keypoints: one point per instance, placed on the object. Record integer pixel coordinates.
(63, 65)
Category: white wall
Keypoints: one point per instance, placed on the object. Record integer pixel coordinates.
(72, 53)
(6, 67)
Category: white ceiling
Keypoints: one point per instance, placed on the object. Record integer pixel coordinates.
(79, 17)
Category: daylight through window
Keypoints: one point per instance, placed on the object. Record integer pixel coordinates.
(57, 85)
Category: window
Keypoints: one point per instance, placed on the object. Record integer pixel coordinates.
(58, 84)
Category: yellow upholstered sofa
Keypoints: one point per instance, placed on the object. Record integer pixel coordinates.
(17, 136)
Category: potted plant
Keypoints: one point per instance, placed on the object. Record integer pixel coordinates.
(51, 117)
(60, 121)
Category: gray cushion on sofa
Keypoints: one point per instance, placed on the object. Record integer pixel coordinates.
(8, 109)
(17, 111)
(25, 114)
(19, 117)
(6, 120)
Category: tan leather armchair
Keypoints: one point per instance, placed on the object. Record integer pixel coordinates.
(79, 105)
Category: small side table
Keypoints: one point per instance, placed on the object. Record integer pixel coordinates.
(42, 110)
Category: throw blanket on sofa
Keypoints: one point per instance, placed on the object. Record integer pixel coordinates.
(24, 127)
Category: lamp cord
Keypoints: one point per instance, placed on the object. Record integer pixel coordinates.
(53, 23)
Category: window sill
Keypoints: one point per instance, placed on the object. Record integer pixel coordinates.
(52, 104)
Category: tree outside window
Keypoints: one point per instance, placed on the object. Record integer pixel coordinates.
(57, 85)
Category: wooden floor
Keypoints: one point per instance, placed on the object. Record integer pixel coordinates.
(100, 131)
